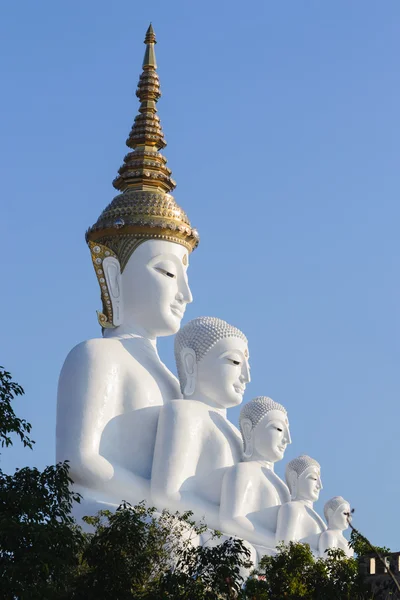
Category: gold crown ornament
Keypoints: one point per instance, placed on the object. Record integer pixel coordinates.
(145, 208)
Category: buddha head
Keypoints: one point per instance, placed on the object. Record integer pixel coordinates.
(152, 291)
(212, 359)
(337, 513)
(264, 426)
(141, 242)
(303, 477)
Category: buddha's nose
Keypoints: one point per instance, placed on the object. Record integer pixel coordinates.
(184, 294)
(245, 374)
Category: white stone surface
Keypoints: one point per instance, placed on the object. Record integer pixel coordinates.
(252, 492)
(337, 512)
(111, 389)
(132, 432)
(195, 441)
(297, 519)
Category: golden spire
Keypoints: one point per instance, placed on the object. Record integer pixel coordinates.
(145, 208)
(143, 169)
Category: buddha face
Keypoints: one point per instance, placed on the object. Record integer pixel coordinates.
(309, 484)
(271, 436)
(155, 288)
(338, 520)
(222, 374)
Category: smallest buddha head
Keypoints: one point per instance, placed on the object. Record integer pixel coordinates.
(212, 359)
(264, 426)
(337, 513)
(303, 477)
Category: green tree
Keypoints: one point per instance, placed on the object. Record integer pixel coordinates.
(9, 422)
(136, 554)
(39, 545)
(294, 574)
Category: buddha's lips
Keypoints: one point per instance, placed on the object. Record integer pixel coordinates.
(239, 389)
(177, 310)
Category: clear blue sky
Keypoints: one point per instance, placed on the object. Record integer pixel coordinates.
(282, 122)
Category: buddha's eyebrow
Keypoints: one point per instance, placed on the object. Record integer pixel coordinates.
(166, 256)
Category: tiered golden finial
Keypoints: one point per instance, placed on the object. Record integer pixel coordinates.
(145, 209)
(143, 168)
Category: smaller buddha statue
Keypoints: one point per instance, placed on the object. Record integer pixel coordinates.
(297, 519)
(195, 442)
(337, 515)
(251, 491)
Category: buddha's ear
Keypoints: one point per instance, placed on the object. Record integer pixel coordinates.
(247, 429)
(328, 514)
(112, 273)
(189, 362)
(292, 483)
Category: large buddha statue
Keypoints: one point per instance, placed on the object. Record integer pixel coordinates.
(297, 519)
(337, 515)
(251, 490)
(195, 441)
(111, 388)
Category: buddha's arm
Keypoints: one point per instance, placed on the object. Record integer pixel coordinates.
(289, 522)
(237, 501)
(179, 443)
(89, 387)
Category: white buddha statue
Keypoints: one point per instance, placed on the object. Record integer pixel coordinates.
(111, 389)
(251, 490)
(297, 520)
(195, 441)
(337, 514)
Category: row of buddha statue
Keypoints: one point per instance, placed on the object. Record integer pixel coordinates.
(133, 431)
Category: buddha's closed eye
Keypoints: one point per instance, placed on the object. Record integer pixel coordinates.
(165, 272)
(234, 362)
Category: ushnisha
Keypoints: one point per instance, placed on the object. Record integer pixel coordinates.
(251, 491)
(297, 520)
(337, 515)
(195, 441)
(111, 389)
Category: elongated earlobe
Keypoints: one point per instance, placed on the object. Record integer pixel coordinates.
(190, 364)
(247, 429)
(293, 485)
(112, 273)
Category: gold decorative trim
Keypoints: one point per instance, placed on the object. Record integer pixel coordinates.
(98, 253)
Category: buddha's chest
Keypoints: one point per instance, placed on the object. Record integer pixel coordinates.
(272, 490)
(311, 522)
(222, 443)
(341, 542)
(145, 383)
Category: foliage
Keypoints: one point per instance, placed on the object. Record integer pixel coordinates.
(389, 587)
(294, 574)
(38, 540)
(9, 422)
(135, 553)
(362, 546)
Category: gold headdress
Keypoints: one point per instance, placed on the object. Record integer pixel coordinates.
(145, 209)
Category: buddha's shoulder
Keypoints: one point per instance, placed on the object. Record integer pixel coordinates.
(328, 535)
(96, 352)
(185, 409)
(292, 507)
